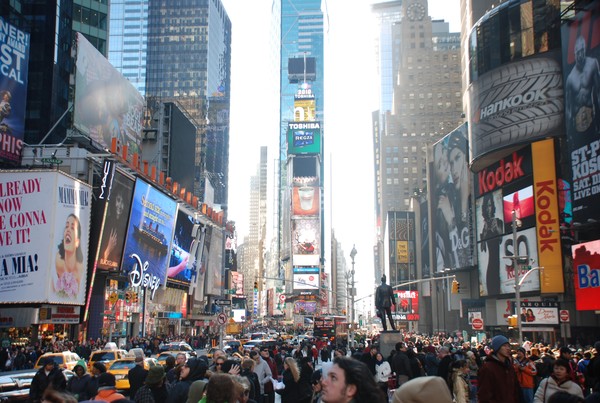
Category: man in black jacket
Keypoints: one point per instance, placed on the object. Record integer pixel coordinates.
(401, 365)
(48, 374)
(137, 375)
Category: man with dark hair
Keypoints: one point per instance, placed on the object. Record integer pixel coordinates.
(384, 299)
(401, 364)
(49, 375)
(137, 376)
(350, 380)
(266, 356)
(497, 377)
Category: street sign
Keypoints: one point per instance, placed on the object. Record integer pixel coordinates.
(281, 298)
(477, 324)
(564, 315)
(221, 319)
(222, 302)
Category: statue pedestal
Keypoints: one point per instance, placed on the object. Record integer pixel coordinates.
(387, 341)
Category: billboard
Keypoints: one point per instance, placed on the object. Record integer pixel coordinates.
(306, 280)
(214, 282)
(539, 313)
(547, 217)
(305, 200)
(44, 231)
(581, 60)
(305, 110)
(106, 104)
(509, 169)
(522, 202)
(515, 104)
(116, 190)
(586, 262)
(304, 138)
(149, 235)
(452, 220)
(496, 268)
(407, 305)
(14, 62)
(179, 269)
(306, 242)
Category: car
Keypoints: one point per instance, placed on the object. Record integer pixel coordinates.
(250, 345)
(14, 385)
(231, 346)
(106, 357)
(178, 346)
(64, 360)
(162, 357)
(120, 369)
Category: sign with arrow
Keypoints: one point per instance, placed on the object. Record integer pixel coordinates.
(223, 302)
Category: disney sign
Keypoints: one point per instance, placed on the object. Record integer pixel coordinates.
(139, 276)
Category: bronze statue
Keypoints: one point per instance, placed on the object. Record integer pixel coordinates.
(384, 299)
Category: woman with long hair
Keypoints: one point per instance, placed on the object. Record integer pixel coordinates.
(291, 376)
(460, 385)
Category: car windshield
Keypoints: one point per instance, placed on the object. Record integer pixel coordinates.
(58, 359)
(104, 356)
(122, 365)
(178, 347)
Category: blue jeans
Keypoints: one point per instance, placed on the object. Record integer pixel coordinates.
(527, 395)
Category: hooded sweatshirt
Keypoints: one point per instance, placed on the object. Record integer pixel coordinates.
(179, 391)
(79, 385)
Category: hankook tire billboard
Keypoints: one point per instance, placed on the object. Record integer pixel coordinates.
(515, 104)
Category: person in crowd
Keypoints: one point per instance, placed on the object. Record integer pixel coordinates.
(174, 373)
(262, 370)
(169, 364)
(218, 365)
(269, 391)
(242, 389)
(248, 372)
(137, 375)
(526, 372)
(459, 379)
(560, 380)
(474, 363)
(54, 396)
(107, 390)
(316, 386)
(49, 375)
(154, 389)
(79, 384)
(424, 389)
(193, 370)
(401, 364)
(592, 373)
(291, 378)
(349, 380)
(566, 354)
(370, 359)
(497, 377)
(383, 371)
(445, 366)
(220, 389)
(432, 362)
(98, 369)
(197, 390)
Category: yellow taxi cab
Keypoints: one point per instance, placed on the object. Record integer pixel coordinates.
(162, 358)
(65, 359)
(120, 369)
(106, 357)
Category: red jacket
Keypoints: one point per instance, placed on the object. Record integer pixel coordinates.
(526, 372)
(497, 382)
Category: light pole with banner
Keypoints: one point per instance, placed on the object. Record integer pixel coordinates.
(352, 295)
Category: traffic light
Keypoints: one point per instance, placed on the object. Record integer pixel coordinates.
(512, 321)
(256, 286)
(455, 286)
(127, 296)
(134, 297)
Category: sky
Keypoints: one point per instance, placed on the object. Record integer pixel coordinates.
(350, 98)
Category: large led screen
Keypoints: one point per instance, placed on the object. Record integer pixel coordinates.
(306, 242)
(305, 200)
(452, 215)
(14, 62)
(179, 267)
(44, 232)
(586, 264)
(149, 235)
(581, 60)
(304, 138)
(306, 279)
(117, 191)
(107, 105)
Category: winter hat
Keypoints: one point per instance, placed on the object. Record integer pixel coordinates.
(100, 367)
(424, 389)
(196, 391)
(498, 341)
(106, 380)
(521, 349)
(155, 375)
(197, 369)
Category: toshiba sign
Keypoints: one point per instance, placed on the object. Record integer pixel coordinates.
(514, 104)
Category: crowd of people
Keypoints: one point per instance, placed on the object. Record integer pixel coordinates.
(418, 369)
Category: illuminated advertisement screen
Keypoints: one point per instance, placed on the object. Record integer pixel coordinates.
(586, 264)
(306, 242)
(304, 138)
(452, 219)
(304, 110)
(180, 248)
(581, 58)
(522, 202)
(106, 104)
(306, 278)
(149, 234)
(407, 305)
(117, 195)
(14, 64)
(305, 200)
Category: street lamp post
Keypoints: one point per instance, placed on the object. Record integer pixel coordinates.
(352, 294)
(516, 223)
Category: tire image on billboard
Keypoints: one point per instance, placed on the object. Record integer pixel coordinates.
(514, 104)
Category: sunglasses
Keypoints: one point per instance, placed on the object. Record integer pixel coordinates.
(218, 364)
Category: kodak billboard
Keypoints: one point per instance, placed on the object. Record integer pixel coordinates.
(547, 218)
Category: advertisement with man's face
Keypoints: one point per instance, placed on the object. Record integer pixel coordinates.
(581, 69)
(502, 263)
(451, 189)
(117, 191)
(149, 235)
(586, 264)
(44, 231)
(14, 64)
(306, 242)
(107, 105)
